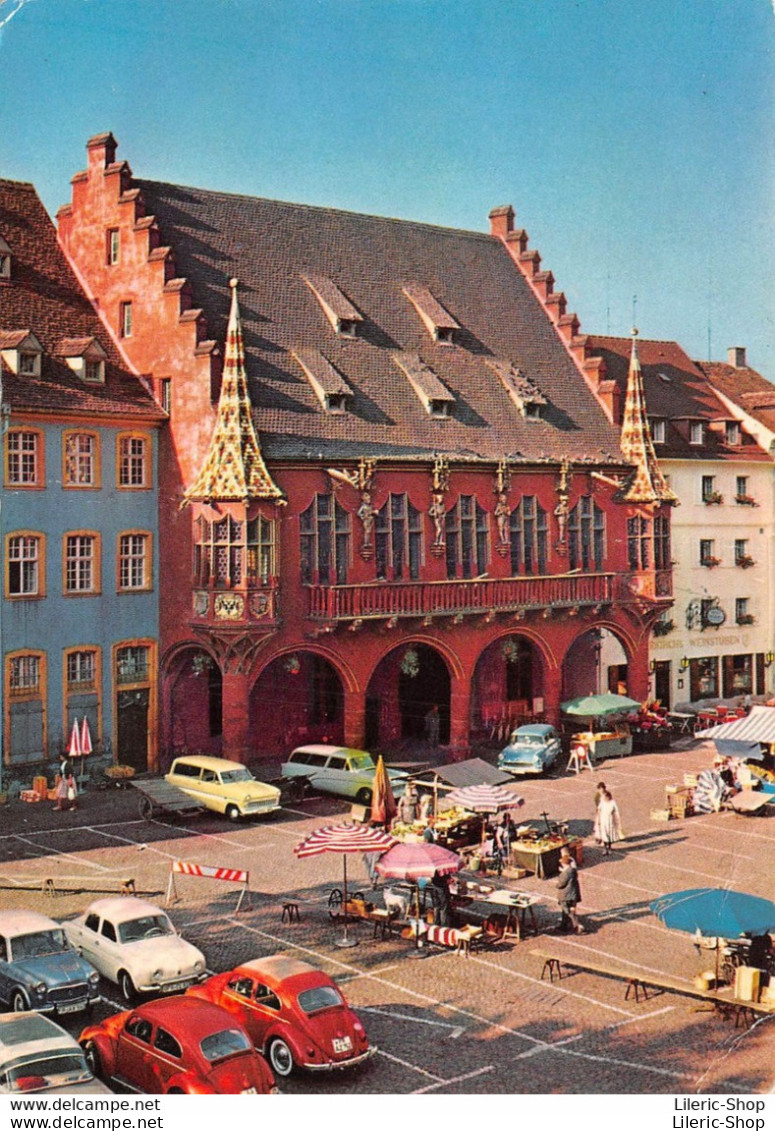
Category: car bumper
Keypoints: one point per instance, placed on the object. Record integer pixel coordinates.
(174, 986)
(333, 1065)
(521, 768)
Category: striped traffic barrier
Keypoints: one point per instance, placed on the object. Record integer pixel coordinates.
(209, 872)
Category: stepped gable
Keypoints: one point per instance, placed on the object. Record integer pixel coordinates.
(44, 296)
(677, 391)
(276, 248)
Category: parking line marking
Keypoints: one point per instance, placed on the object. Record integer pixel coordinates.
(69, 855)
(413, 1067)
(405, 1017)
(454, 1080)
(558, 988)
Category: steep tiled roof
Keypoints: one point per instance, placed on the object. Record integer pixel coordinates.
(45, 297)
(274, 248)
(677, 391)
(744, 387)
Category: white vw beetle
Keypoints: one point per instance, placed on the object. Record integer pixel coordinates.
(134, 944)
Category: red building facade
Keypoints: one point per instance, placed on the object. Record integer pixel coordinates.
(395, 489)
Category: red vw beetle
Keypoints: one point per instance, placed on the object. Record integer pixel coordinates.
(176, 1044)
(294, 1013)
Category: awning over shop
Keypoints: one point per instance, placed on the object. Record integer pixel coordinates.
(757, 726)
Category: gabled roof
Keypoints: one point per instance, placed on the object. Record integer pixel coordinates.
(677, 391)
(275, 247)
(45, 298)
(745, 387)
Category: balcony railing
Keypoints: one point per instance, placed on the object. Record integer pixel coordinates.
(445, 598)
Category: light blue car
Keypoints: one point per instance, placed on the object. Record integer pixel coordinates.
(531, 749)
(39, 969)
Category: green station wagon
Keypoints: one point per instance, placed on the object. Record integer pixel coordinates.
(338, 769)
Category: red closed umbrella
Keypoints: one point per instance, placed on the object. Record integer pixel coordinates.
(344, 838)
(74, 749)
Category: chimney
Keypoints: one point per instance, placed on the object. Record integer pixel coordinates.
(502, 221)
(736, 356)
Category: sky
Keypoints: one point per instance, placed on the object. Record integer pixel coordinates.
(633, 137)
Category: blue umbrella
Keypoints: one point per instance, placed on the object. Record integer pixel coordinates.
(715, 912)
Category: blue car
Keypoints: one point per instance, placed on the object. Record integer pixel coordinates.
(531, 749)
(39, 969)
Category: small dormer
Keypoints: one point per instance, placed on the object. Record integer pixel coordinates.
(86, 358)
(524, 393)
(21, 351)
(433, 395)
(339, 311)
(438, 322)
(5, 261)
(329, 385)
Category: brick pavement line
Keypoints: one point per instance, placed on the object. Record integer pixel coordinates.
(455, 1080)
(743, 832)
(57, 852)
(413, 1067)
(557, 988)
(375, 976)
(606, 1029)
(199, 835)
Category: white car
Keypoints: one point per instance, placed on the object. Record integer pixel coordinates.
(134, 944)
(36, 1055)
(338, 769)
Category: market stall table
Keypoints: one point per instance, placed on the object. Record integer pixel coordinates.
(542, 855)
(681, 721)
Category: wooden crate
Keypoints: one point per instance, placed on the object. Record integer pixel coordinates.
(661, 815)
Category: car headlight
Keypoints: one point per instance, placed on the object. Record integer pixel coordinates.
(40, 988)
(199, 967)
(157, 975)
(94, 977)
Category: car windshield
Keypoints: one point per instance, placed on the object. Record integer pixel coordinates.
(528, 740)
(362, 762)
(319, 997)
(226, 1043)
(38, 944)
(148, 927)
(230, 776)
(33, 1073)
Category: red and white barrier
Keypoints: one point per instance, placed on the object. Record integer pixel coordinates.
(208, 872)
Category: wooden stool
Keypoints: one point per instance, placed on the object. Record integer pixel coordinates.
(465, 937)
(290, 912)
(552, 966)
(127, 887)
(638, 988)
(382, 920)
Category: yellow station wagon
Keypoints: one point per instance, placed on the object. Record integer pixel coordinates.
(226, 787)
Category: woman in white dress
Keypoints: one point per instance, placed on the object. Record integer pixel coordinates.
(608, 825)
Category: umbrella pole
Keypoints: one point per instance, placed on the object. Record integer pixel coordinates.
(419, 950)
(345, 940)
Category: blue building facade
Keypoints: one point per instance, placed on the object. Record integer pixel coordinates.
(78, 516)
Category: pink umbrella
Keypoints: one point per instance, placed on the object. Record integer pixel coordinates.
(415, 862)
(344, 838)
(484, 799)
(74, 749)
(86, 746)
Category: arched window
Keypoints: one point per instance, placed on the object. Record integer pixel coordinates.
(586, 535)
(324, 530)
(528, 536)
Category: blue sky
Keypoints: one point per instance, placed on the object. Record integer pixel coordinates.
(633, 137)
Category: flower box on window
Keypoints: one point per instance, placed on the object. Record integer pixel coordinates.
(746, 618)
(711, 562)
(746, 500)
(713, 498)
(663, 627)
(745, 561)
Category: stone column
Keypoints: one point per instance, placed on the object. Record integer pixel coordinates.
(236, 717)
(355, 718)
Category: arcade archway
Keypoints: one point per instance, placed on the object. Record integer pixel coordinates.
(298, 698)
(596, 662)
(405, 687)
(195, 697)
(508, 685)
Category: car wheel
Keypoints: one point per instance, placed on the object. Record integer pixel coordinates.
(280, 1057)
(127, 986)
(232, 812)
(18, 1002)
(363, 797)
(92, 1058)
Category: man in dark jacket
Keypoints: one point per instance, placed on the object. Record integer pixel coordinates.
(570, 893)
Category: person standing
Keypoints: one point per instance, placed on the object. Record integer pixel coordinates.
(608, 821)
(66, 790)
(433, 725)
(599, 790)
(570, 893)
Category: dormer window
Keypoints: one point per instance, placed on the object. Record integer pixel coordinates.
(21, 351)
(338, 309)
(696, 433)
(5, 261)
(86, 358)
(328, 384)
(432, 393)
(732, 433)
(524, 393)
(438, 322)
(658, 430)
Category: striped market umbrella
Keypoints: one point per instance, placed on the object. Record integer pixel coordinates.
(484, 798)
(344, 838)
(415, 862)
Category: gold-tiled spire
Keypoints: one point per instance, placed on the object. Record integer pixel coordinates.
(646, 484)
(234, 469)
